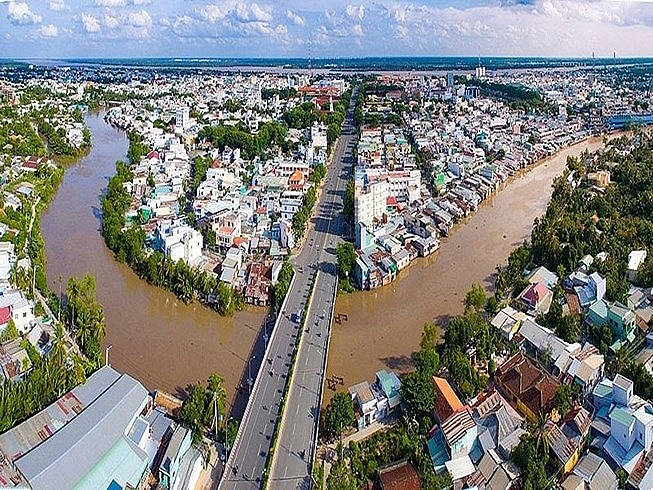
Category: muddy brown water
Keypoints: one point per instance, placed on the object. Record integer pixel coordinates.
(160, 341)
(384, 326)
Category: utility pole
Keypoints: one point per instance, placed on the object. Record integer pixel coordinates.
(106, 354)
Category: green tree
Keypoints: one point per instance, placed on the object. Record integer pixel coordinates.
(563, 399)
(475, 298)
(339, 414)
(10, 332)
(418, 394)
(341, 477)
(346, 255)
(430, 336)
(427, 361)
(622, 478)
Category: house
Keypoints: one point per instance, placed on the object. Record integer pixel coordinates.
(591, 473)
(179, 444)
(366, 404)
(446, 401)
(587, 288)
(543, 343)
(499, 425)
(567, 439)
(585, 367)
(537, 297)
(544, 275)
(495, 473)
(629, 419)
(94, 436)
(22, 309)
(7, 260)
(389, 384)
(399, 476)
(529, 389)
(508, 320)
(635, 259)
(14, 361)
(460, 433)
(620, 318)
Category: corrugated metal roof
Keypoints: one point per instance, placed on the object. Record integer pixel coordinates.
(65, 458)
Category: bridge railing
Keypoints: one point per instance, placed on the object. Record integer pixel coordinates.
(229, 462)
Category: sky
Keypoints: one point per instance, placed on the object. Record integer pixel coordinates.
(40, 29)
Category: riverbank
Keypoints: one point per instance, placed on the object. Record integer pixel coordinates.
(154, 337)
(384, 326)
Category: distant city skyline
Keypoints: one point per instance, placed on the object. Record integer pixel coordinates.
(303, 28)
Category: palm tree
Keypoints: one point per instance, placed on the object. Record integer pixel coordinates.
(538, 429)
(58, 352)
(216, 386)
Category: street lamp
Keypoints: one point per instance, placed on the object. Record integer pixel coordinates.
(249, 374)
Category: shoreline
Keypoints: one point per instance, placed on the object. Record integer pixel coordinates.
(385, 324)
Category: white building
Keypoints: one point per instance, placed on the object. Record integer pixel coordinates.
(370, 201)
(289, 204)
(7, 260)
(318, 136)
(182, 117)
(180, 241)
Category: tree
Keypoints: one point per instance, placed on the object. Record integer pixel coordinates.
(346, 255)
(475, 298)
(10, 332)
(622, 478)
(339, 414)
(418, 394)
(427, 361)
(563, 399)
(430, 335)
(341, 477)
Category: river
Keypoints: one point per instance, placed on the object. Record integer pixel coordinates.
(160, 341)
(384, 326)
(168, 345)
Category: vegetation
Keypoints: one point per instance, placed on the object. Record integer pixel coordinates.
(404, 441)
(339, 415)
(346, 255)
(202, 405)
(517, 96)
(51, 377)
(300, 218)
(86, 317)
(280, 288)
(269, 134)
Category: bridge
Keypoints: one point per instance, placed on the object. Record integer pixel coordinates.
(313, 291)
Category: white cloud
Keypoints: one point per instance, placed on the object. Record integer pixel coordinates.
(110, 3)
(139, 19)
(57, 5)
(295, 18)
(48, 31)
(19, 13)
(90, 23)
(212, 13)
(110, 21)
(141, 2)
(261, 14)
(355, 12)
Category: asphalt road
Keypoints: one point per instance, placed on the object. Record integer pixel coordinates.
(293, 454)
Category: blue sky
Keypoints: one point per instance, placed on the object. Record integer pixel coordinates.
(325, 28)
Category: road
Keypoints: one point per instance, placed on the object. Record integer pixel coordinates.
(246, 463)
